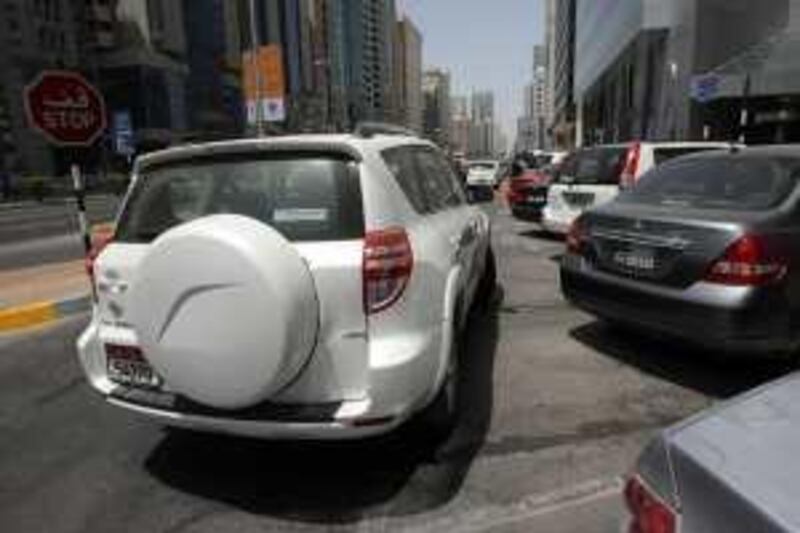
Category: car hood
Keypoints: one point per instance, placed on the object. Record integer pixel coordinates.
(736, 464)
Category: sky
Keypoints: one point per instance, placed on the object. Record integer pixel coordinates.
(485, 44)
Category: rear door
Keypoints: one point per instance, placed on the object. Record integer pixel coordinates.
(464, 228)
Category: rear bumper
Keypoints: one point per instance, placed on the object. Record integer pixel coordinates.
(557, 221)
(738, 320)
(399, 386)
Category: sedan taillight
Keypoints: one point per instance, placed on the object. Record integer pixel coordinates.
(649, 514)
(750, 261)
(387, 265)
(576, 237)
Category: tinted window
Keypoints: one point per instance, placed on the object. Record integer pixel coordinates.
(594, 167)
(482, 166)
(305, 199)
(662, 155)
(727, 182)
(402, 163)
(439, 182)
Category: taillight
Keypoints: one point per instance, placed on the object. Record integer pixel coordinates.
(649, 514)
(576, 236)
(388, 261)
(98, 245)
(628, 177)
(750, 261)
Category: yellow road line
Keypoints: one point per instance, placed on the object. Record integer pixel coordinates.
(27, 315)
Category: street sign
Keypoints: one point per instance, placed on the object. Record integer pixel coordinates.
(264, 84)
(65, 108)
(704, 87)
(123, 133)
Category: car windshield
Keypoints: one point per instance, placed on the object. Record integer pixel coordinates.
(312, 198)
(727, 182)
(601, 166)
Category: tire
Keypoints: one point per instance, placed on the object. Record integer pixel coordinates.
(438, 420)
(488, 283)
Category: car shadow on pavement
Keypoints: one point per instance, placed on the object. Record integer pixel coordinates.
(345, 482)
(712, 374)
(540, 233)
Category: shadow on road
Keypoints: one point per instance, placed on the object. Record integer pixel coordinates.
(712, 374)
(539, 233)
(400, 474)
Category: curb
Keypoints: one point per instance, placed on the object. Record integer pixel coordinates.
(39, 313)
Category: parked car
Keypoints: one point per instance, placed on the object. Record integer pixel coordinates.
(482, 179)
(299, 287)
(527, 192)
(704, 248)
(731, 469)
(593, 176)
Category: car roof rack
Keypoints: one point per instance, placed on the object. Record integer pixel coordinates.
(370, 129)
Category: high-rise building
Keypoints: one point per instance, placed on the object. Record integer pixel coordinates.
(213, 43)
(436, 116)
(146, 71)
(684, 70)
(541, 97)
(460, 124)
(370, 26)
(483, 125)
(408, 74)
(562, 46)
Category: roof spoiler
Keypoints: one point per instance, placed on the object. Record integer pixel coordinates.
(370, 129)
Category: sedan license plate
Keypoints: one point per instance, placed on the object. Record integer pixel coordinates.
(641, 259)
(127, 366)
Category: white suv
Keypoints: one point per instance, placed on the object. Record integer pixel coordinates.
(297, 287)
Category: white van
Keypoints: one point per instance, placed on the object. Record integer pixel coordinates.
(592, 176)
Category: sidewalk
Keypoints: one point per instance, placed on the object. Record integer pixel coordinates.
(37, 295)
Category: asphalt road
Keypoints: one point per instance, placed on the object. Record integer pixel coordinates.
(33, 234)
(556, 409)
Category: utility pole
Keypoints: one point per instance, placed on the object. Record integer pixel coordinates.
(255, 44)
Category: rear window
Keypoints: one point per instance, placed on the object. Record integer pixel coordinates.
(727, 182)
(662, 155)
(314, 198)
(594, 167)
(482, 166)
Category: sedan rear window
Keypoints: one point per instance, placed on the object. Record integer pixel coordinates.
(306, 199)
(723, 182)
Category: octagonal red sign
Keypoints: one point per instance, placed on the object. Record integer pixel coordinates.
(65, 108)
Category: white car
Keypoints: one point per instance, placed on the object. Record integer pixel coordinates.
(298, 287)
(593, 176)
(482, 173)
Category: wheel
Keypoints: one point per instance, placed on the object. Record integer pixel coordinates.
(437, 421)
(488, 282)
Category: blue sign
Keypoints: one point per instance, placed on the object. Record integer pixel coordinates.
(123, 133)
(705, 87)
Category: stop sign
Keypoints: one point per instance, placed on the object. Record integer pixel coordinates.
(65, 108)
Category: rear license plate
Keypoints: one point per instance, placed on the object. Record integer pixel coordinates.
(641, 259)
(576, 199)
(127, 366)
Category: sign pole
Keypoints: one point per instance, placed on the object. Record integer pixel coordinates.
(256, 60)
(80, 199)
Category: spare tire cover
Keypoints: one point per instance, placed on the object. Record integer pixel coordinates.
(225, 310)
